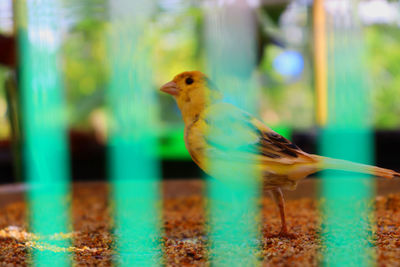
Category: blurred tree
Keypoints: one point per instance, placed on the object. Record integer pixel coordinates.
(288, 100)
(383, 60)
(85, 69)
(85, 58)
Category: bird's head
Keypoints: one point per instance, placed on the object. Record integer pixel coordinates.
(193, 92)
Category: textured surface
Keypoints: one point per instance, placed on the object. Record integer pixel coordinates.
(184, 239)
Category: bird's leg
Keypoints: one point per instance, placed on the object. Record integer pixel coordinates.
(277, 195)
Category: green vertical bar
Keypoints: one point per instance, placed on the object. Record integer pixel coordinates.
(44, 123)
(234, 188)
(133, 168)
(347, 135)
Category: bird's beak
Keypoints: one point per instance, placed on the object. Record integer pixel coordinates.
(170, 88)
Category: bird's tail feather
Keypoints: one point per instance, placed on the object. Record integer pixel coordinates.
(344, 165)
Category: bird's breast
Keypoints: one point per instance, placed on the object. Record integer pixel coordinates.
(195, 143)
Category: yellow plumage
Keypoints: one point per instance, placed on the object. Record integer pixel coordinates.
(209, 124)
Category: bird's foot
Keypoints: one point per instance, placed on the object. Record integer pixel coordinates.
(286, 234)
(283, 234)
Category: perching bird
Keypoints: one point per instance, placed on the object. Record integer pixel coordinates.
(281, 163)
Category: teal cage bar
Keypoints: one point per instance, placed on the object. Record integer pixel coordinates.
(134, 169)
(234, 189)
(44, 124)
(346, 212)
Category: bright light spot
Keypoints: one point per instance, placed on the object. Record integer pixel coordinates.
(222, 3)
(44, 36)
(379, 11)
(6, 18)
(337, 7)
(289, 63)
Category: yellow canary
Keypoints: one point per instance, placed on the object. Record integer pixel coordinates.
(281, 163)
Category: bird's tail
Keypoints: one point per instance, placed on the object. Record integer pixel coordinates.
(344, 165)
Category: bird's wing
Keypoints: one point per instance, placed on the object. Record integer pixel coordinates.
(230, 129)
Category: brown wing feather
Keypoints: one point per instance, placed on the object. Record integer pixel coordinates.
(275, 146)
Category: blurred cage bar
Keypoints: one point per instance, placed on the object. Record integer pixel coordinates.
(344, 113)
(234, 189)
(44, 124)
(134, 168)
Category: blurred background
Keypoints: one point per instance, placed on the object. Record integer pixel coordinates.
(285, 74)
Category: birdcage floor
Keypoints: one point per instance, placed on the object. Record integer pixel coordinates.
(184, 238)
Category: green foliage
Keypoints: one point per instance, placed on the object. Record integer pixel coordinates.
(285, 102)
(384, 69)
(175, 40)
(85, 69)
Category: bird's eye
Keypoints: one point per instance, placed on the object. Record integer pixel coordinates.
(189, 81)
